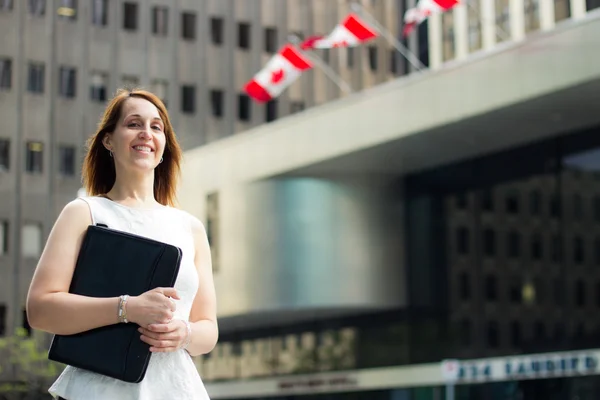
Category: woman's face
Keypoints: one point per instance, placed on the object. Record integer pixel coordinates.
(139, 139)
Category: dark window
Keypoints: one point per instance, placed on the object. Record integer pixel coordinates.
(493, 339)
(34, 159)
(35, 78)
(536, 246)
(515, 333)
(580, 293)
(591, 4)
(188, 99)
(512, 202)
(6, 5)
(350, 57)
(578, 250)
(67, 9)
(271, 111)
(373, 58)
(243, 35)
(560, 288)
(535, 202)
(270, 40)
(556, 248)
(216, 30)
(188, 25)
(4, 233)
(462, 241)
(37, 7)
(130, 16)
(491, 293)
(98, 84)
(489, 242)
(515, 293)
(577, 207)
(393, 62)
(554, 205)
(216, 102)
(514, 244)
(66, 156)
(5, 73)
(464, 286)
(465, 332)
(2, 319)
(243, 107)
(296, 107)
(160, 20)
(67, 82)
(100, 12)
(487, 200)
(4, 155)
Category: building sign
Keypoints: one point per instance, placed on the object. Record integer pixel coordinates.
(317, 383)
(535, 366)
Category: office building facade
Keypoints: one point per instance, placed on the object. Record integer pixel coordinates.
(451, 214)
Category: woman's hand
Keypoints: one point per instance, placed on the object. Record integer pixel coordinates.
(163, 338)
(152, 307)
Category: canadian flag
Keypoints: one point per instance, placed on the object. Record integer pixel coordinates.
(279, 73)
(414, 16)
(352, 31)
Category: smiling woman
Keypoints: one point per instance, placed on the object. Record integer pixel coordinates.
(130, 174)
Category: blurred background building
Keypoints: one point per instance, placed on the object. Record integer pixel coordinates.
(453, 213)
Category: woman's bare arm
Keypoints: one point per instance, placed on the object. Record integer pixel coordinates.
(49, 305)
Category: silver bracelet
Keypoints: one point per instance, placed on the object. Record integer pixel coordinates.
(188, 338)
(122, 313)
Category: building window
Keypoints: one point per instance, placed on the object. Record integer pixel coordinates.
(130, 82)
(532, 15)
(31, 240)
(160, 19)
(100, 12)
(489, 242)
(491, 291)
(37, 7)
(578, 250)
(212, 228)
(296, 107)
(188, 26)
(4, 155)
(493, 336)
(216, 102)
(580, 293)
(130, 16)
(448, 35)
(67, 82)
(34, 160)
(216, 30)
(6, 5)
(514, 244)
(98, 85)
(591, 4)
(512, 202)
(536, 247)
(535, 202)
(244, 35)
(271, 111)
(160, 87)
(5, 73)
(67, 9)
(373, 58)
(462, 241)
(243, 107)
(393, 62)
(502, 20)
(35, 77)
(270, 40)
(66, 160)
(465, 332)
(4, 233)
(515, 293)
(562, 10)
(188, 99)
(515, 333)
(474, 17)
(487, 200)
(560, 288)
(2, 319)
(464, 286)
(349, 57)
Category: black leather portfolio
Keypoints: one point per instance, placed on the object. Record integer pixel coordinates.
(112, 263)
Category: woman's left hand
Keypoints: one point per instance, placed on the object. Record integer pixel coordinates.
(164, 338)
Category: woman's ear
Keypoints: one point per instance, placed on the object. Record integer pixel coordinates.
(106, 141)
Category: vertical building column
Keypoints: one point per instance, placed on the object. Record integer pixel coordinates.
(578, 9)
(488, 24)
(547, 15)
(434, 31)
(517, 20)
(461, 31)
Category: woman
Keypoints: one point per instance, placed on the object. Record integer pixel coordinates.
(130, 174)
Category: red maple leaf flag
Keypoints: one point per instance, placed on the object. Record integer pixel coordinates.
(352, 31)
(279, 73)
(414, 16)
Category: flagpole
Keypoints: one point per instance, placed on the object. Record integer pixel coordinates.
(406, 53)
(329, 72)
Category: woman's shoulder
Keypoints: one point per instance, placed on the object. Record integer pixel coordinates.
(196, 226)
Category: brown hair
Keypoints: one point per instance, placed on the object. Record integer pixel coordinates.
(98, 173)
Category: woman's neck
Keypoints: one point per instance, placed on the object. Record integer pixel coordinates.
(134, 191)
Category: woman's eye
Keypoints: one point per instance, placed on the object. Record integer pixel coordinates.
(157, 127)
(133, 124)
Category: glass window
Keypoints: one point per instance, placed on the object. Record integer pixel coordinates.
(6, 5)
(100, 12)
(502, 20)
(36, 77)
(271, 111)
(491, 291)
(130, 16)
(216, 30)
(448, 35)
(5, 73)
(67, 82)
(296, 107)
(243, 107)
(3, 316)
(373, 61)
(212, 228)
(160, 87)
(37, 7)
(514, 244)
(270, 40)
(532, 15)
(34, 160)
(66, 157)
(489, 242)
(244, 35)
(474, 16)
(188, 25)
(31, 240)
(216, 102)
(98, 86)
(536, 247)
(188, 99)
(4, 234)
(4, 155)
(493, 336)
(67, 9)
(160, 20)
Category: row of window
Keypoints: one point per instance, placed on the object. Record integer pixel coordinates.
(31, 239)
(534, 293)
(513, 242)
(34, 158)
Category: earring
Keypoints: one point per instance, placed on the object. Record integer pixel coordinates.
(161, 160)
(110, 153)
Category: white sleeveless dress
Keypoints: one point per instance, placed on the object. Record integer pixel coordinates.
(170, 376)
